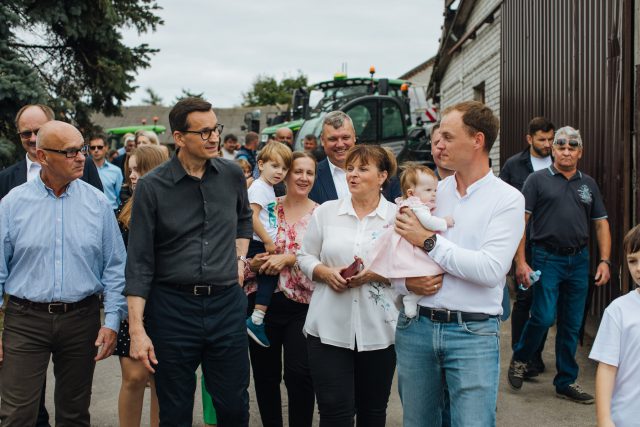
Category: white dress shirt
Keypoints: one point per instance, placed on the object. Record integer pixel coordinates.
(475, 253)
(339, 180)
(33, 169)
(365, 314)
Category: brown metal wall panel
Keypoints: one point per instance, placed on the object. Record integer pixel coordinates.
(571, 61)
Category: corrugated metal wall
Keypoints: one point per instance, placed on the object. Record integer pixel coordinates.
(572, 61)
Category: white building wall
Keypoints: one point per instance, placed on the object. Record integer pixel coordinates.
(477, 62)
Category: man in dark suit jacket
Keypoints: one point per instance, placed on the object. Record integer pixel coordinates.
(338, 135)
(28, 122)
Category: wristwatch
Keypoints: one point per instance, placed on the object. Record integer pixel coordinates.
(606, 261)
(243, 259)
(429, 243)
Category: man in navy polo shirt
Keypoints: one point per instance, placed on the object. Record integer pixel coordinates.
(561, 202)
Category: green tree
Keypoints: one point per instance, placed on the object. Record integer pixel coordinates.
(266, 90)
(188, 93)
(70, 55)
(152, 97)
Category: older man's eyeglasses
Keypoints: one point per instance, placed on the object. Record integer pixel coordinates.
(70, 153)
(28, 133)
(561, 142)
(205, 134)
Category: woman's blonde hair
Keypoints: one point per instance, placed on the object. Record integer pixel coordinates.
(148, 157)
(153, 137)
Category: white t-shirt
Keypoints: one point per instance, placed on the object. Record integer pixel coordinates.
(540, 163)
(262, 193)
(618, 344)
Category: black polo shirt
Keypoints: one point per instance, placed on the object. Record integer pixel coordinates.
(561, 209)
(183, 229)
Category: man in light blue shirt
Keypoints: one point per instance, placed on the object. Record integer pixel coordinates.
(60, 248)
(110, 174)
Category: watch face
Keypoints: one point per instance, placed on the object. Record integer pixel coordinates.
(429, 243)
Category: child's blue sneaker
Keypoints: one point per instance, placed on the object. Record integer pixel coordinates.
(257, 333)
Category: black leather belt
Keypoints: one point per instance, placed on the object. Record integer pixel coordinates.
(561, 250)
(447, 316)
(54, 307)
(199, 289)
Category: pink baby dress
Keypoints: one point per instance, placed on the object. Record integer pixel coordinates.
(394, 257)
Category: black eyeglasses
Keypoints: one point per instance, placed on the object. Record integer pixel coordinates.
(96, 147)
(71, 152)
(205, 134)
(28, 133)
(573, 143)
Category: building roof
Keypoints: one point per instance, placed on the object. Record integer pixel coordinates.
(419, 68)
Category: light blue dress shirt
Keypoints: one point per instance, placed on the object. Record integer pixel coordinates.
(62, 248)
(111, 177)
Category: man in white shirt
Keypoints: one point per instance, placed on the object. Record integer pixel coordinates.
(455, 340)
(229, 146)
(338, 136)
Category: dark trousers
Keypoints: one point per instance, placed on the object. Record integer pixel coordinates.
(187, 331)
(519, 317)
(30, 338)
(43, 415)
(284, 322)
(266, 284)
(348, 382)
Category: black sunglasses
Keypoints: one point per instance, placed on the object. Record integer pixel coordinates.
(574, 143)
(28, 133)
(96, 147)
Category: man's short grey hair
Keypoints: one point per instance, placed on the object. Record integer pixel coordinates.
(567, 132)
(337, 119)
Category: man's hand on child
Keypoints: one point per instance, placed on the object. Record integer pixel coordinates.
(450, 221)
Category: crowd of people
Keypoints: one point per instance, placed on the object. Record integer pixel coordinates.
(325, 267)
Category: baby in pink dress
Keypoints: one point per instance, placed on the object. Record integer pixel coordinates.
(394, 257)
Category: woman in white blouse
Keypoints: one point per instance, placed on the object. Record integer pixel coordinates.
(350, 325)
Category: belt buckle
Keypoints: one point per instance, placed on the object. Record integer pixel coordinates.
(434, 311)
(197, 293)
(56, 304)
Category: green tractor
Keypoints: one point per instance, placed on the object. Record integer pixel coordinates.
(379, 109)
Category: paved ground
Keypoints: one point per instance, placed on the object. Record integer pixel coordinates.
(536, 405)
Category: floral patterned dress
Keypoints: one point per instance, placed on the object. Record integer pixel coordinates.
(292, 282)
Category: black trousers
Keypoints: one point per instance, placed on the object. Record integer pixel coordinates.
(187, 331)
(348, 382)
(283, 323)
(266, 283)
(30, 338)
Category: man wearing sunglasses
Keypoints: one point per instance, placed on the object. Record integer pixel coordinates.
(53, 272)
(29, 120)
(110, 175)
(561, 202)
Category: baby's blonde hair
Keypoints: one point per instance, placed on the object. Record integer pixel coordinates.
(409, 176)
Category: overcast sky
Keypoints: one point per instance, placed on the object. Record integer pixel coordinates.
(219, 47)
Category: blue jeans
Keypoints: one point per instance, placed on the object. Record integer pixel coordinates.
(562, 289)
(464, 356)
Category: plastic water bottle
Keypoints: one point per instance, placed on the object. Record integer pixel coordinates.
(534, 276)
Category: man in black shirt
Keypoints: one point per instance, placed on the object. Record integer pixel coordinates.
(190, 230)
(515, 171)
(561, 203)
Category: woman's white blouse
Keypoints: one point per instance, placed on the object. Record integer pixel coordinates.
(365, 315)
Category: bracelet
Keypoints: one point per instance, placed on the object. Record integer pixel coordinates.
(606, 261)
